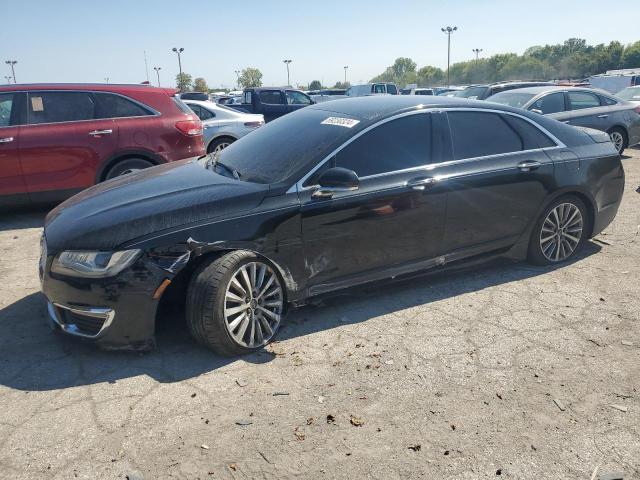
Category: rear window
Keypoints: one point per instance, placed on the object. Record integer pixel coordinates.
(184, 108)
(273, 97)
(391, 88)
(110, 105)
(513, 99)
(473, 92)
(631, 94)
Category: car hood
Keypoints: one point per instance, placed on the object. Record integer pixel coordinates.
(149, 201)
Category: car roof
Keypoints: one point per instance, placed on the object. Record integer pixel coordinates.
(106, 87)
(375, 107)
(553, 88)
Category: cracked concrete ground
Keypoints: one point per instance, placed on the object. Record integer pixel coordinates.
(454, 376)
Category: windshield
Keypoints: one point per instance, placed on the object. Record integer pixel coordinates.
(630, 93)
(511, 98)
(473, 92)
(286, 147)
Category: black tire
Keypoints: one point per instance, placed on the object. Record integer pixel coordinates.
(205, 310)
(222, 142)
(126, 166)
(625, 138)
(536, 254)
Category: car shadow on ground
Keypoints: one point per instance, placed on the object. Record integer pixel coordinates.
(33, 358)
(20, 218)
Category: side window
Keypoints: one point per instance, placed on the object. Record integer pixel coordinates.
(196, 109)
(247, 97)
(378, 88)
(271, 96)
(532, 137)
(297, 98)
(115, 106)
(395, 145)
(391, 88)
(607, 101)
(52, 107)
(349, 92)
(552, 103)
(6, 103)
(478, 134)
(580, 100)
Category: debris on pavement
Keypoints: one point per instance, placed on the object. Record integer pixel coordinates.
(298, 434)
(320, 399)
(611, 476)
(416, 448)
(280, 394)
(559, 404)
(204, 447)
(627, 343)
(356, 421)
(331, 419)
(241, 383)
(135, 475)
(622, 408)
(243, 423)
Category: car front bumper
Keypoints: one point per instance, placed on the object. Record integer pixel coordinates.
(116, 313)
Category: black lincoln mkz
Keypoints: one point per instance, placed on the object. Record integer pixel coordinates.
(334, 195)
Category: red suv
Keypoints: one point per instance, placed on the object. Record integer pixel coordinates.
(56, 140)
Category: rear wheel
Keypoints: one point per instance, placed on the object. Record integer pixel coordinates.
(220, 144)
(128, 165)
(235, 303)
(560, 231)
(619, 139)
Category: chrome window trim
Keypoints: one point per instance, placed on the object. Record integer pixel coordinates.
(154, 112)
(298, 186)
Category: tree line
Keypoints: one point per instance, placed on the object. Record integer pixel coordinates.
(573, 59)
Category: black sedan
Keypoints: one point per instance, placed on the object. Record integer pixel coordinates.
(331, 196)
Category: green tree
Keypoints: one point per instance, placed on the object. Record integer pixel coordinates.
(183, 81)
(315, 85)
(631, 56)
(200, 85)
(251, 77)
(430, 76)
(344, 85)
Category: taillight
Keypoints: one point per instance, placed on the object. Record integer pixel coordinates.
(253, 124)
(190, 128)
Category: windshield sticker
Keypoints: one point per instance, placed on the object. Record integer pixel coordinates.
(343, 122)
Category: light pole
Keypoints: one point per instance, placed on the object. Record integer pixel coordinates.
(178, 52)
(106, 79)
(287, 62)
(477, 52)
(8, 77)
(238, 72)
(11, 63)
(345, 74)
(157, 69)
(448, 31)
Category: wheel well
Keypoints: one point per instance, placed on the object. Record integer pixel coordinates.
(176, 293)
(221, 137)
(587, 203)
(624, 131)
(115, 161)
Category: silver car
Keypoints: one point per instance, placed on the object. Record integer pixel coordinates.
(630, 94)
(222, 125)
(580, 107)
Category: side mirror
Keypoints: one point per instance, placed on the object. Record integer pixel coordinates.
(535, 110)
(334, 180)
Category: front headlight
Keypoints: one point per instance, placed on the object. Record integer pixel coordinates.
(93, 264)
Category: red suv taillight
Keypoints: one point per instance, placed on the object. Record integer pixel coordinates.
(190, 128)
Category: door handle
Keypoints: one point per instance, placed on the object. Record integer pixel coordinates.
(6, 139)
(97, 133)
(421, 183)
(604, 115)
(529, 165)
(566, 121)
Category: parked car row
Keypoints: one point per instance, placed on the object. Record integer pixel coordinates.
(56, 139)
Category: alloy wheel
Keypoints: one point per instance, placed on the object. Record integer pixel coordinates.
(617, 139)
(220, 147)
(561, 232)
(253, 305)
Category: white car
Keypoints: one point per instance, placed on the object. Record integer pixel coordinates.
(222, 125)
(630, 94)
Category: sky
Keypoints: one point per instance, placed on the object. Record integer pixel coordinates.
(88, 41)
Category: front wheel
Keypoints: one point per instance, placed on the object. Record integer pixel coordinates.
(235, 303)
(560, 231)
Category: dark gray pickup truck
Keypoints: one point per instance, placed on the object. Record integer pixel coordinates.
(272, 102)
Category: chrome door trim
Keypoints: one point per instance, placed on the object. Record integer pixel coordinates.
(298, 186)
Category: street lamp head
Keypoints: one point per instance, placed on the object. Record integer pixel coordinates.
(174, 49)
(181, 50)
